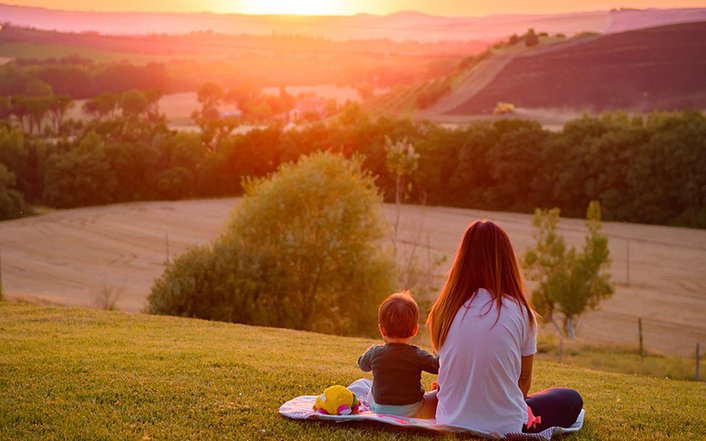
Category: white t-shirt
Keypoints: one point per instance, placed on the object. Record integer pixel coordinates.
(480, 364)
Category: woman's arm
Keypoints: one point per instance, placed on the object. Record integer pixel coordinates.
(525, 380)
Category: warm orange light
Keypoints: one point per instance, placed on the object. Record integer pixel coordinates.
(297, 7)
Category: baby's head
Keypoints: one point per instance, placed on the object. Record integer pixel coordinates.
(398, 317)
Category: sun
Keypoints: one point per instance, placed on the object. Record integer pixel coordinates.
(296, 7)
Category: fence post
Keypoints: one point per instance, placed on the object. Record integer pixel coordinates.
(167, 247)
(639, 330)
(627, 262)
(2, 291)
(698, 359)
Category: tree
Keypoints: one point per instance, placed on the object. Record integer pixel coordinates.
(134, 103)
(153, 96)
(175, 183)
(38, 88)
(58, 106)
(13, 151)
(12, 204)
(20, 110)
(37, 109)
(531, 38)
(214, 127)
(79, 177)
(302, 251)
(210, 95)
(320, 220)
(103, 105)
(401, 160)
(134, 166)
(245, 93)
(569, 281)
(20, 158)
(514, 163)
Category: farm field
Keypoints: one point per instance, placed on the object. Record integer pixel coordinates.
(86, 374)
(43, 51)
(630, 71)
(72, 257)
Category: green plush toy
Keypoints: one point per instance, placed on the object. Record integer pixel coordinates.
(337, 400)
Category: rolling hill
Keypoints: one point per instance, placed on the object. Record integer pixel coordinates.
(68, 373)
(406, 25)
(660, 68)
(71, 257)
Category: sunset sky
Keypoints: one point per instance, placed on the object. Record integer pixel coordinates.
(349, 7)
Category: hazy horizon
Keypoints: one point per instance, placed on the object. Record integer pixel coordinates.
(444, 8)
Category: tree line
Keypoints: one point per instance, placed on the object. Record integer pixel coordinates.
(646, 169)
(79, 78)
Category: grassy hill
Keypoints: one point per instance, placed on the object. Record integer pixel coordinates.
(86, 374)
(73, 257)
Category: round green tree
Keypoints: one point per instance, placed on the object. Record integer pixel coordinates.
(304, 250)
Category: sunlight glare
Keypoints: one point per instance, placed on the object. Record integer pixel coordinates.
(297, 7)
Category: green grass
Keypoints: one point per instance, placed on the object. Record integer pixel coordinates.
(610, 358)
(45, 51)
(87, 374)
(621, 359)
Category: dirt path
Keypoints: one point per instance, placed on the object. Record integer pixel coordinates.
(69, 257)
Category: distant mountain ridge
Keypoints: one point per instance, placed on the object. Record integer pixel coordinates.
(408, 25)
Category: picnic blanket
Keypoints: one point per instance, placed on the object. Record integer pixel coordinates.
(300, 408)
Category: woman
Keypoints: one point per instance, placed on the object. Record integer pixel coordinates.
(485, 333)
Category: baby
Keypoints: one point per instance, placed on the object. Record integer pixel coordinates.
(397, 366)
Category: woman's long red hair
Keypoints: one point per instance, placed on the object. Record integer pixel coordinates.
(485, 259)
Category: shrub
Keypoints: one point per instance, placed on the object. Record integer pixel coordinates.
(219, 282)
(301, 251)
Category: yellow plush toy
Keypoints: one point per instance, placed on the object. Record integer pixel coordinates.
(337, 400)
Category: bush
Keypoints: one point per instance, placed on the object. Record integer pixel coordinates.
(301, 251)
(218, 282)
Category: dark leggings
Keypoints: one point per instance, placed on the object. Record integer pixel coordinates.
(557, 406)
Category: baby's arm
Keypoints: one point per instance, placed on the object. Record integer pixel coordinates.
(365, 360)
(428, 363)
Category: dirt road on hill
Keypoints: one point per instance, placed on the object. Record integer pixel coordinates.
(70, 257)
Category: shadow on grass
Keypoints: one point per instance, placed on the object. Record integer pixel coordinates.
(364, 429)
(371, 428)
